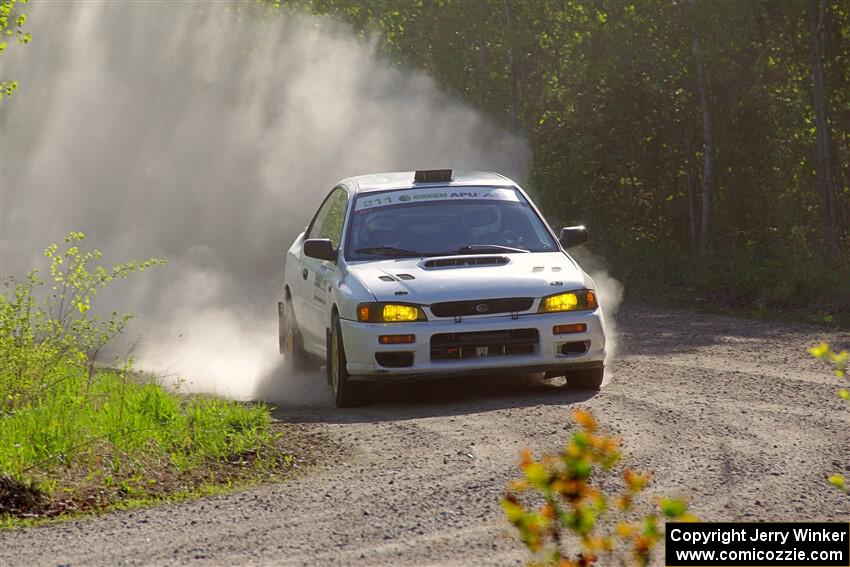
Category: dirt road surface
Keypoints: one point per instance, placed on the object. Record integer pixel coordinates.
(732, 414)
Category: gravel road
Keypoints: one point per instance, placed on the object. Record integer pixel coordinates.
(732, 414)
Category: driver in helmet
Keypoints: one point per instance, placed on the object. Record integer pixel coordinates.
(382, 230)
(482, 220)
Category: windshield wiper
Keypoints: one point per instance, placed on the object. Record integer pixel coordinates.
(479, 248)
(391, 252)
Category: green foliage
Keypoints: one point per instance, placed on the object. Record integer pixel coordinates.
(755, 278)
(73, 429)
(43, 341)
(11, 27)
(118, 427)
(573, 505)
(839, 361)
(605, 93)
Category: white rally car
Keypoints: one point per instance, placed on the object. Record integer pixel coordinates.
(437, 273)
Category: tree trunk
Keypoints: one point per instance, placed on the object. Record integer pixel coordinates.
(692, 220)
(511, 67)
(708, 174)
(689, 177)
(482, 64)
(823, 159)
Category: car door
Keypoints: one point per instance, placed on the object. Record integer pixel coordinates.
(318, 276)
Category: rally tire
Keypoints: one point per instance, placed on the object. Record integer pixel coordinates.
(347, 393)
(588, 379)
(290, 341)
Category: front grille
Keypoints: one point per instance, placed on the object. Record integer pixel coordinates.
(481, 307)
(459, 346)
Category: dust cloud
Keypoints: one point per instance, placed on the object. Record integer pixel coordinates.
(610, 297)
(207, 133)
(610, 292)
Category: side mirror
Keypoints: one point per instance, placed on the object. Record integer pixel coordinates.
(320, 248)
(572, 236)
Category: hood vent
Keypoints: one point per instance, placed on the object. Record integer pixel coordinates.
(466, 261)
(393, 279)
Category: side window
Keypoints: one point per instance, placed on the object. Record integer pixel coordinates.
(332, 226)
(318, 223)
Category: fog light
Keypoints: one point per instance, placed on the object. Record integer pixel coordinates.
(574, 348)
(571, 328)
(394, 359)
(396, 339)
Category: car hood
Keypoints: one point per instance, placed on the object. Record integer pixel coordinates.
(471, 277)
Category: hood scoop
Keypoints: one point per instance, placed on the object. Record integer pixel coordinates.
(463, 261)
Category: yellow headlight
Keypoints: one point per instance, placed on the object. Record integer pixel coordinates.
(583, 300)
(393, 312)
(561, 302)
(389, 313)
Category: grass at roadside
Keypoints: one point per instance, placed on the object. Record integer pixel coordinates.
(112, 440)
(768, 284)
(76, 437)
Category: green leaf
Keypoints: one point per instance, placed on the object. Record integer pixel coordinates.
(819, 351)
(673, 507)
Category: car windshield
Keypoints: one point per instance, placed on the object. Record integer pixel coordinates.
(444, 221)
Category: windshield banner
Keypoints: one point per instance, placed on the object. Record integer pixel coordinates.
(368, 201)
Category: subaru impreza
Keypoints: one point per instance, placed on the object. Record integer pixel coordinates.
(436, 273)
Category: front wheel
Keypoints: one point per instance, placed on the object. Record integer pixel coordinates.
(588, 379)
(289, 338)
(346, 392)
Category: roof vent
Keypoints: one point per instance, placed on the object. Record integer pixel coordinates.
(432, 176)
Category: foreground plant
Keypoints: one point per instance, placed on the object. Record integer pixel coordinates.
(839, 361)
(48, 334)
(75, 435)
(573, 508)
(12, 22)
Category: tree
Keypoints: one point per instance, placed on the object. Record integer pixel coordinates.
(709, 174)
(11, 26)
(823, 159)
(723, 125)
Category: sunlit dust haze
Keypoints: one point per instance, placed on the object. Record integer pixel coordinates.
(207, 133)
(610, 292)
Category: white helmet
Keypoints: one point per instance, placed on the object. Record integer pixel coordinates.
(482, 219)
(382, 230)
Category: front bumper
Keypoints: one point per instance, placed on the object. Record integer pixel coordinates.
(361, 345)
